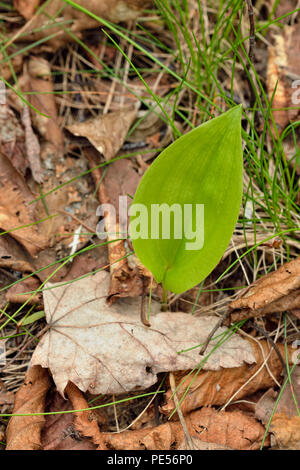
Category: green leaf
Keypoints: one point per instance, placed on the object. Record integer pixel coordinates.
(203, 167)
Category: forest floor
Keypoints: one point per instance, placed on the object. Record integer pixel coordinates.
(90, 94)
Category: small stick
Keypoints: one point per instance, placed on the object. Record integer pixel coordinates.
(252, 30)
(211, 334)
(251, 48)
(187, 436)
(268, 338)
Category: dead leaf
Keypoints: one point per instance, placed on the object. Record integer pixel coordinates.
(26, 7)
(85, 330)
(286, 431)
(12, 139)
(234, 429)
(16, 293)
(15, 210)
(6, 397)
(32, 147)
(37, 78)
(23, 432)
(113, 10)
(285, 423)
(84, 421)
(265, 405)
(210, 387)
(278, 291)
(59, 432)
(107, 132)
(12, 256)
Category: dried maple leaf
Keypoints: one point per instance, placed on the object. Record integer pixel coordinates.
(107, 132)
(86, 337)
(278, 291)
(218, 387)
(23, 432)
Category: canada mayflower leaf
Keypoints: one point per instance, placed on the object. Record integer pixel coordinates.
(187, 203)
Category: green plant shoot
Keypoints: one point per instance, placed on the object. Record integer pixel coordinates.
(187, 203)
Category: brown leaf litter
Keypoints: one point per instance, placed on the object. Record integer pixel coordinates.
(217, 387)
(215, 429)
(32, 147)
(285, 424)
(233, 430)
(113, 10)
(278, 291)
(37, 80)
(23, 432)
(106, 132)
(93, 334)
(16, 210)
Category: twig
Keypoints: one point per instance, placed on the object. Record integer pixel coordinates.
(252, 30)
(268, 338)
(251, 50)
(211, 334)
(187, 436)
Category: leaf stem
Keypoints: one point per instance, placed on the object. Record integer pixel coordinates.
(164, 303)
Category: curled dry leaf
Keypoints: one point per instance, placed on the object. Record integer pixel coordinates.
(106, 133)
(234, 430)
(112, 10)
(23, 432)
(38, 79)
(278, 291)
(32, 147)
(85, 332)
(85, 422)
(210, 387)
